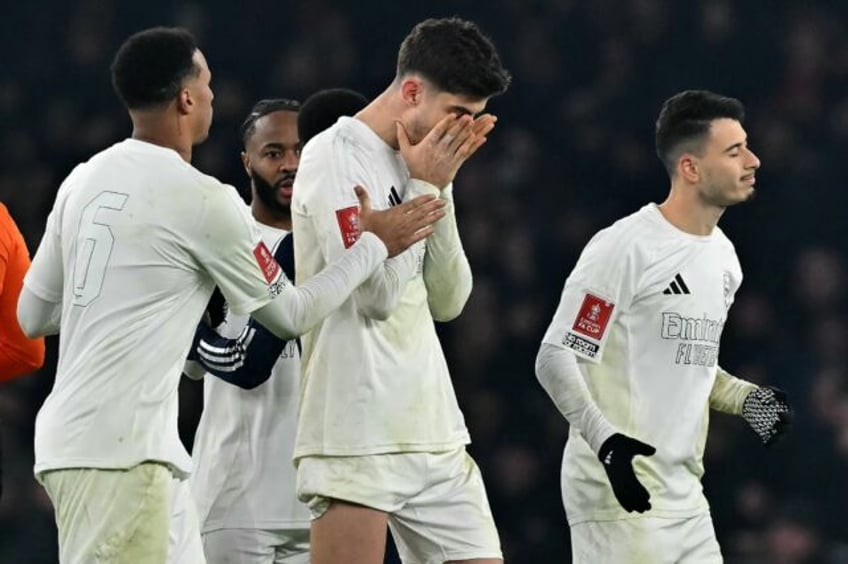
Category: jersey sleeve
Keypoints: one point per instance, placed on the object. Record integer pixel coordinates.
(45, 277)
(597, 292)
(246, 361)
(229, 246)
(447, 272)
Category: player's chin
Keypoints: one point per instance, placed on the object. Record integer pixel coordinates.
(746, 194)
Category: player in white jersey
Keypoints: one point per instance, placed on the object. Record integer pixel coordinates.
(631, 357)
(323, 108)
(135, 242)
(380, 437)
(244, 480)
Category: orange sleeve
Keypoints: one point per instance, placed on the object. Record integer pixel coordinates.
(18, 354)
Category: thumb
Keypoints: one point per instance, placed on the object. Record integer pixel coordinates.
(402, 136)
(642, 448)
(364, 199)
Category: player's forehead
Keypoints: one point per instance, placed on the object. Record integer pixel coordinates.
(726, 132)
(278, 127)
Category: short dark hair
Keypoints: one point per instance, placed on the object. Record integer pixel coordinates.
(149, 68)
(261, 109)
(454, 55)
(684, 122)
(323, 108)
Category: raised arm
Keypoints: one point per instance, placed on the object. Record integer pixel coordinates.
(447, 272)
(253, 282)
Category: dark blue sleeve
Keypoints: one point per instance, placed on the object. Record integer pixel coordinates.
(248, 360)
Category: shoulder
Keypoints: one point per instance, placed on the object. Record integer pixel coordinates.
(343, 140)
(331, 163)
(221, 199)
(614, 255)
(626, 236)
(723, 241)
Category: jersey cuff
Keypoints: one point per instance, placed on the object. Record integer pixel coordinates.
(40, 292)
(418, 187)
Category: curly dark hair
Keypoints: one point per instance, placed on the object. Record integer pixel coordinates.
(149, 68)
(454, 55)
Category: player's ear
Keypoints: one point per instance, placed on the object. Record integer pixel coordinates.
(411, 90)
(245, 161)
(688, 168)
(185, 102)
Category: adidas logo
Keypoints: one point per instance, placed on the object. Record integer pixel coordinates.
(394, 197)
(677, 286)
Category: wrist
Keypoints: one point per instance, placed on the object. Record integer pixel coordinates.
(418, 187)
(372, 240)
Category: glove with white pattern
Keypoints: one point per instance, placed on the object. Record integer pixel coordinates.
(767, 412)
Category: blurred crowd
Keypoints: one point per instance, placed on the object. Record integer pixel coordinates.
(572, 152)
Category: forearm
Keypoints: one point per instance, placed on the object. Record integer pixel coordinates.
(38, 317)
(559, 374)
(379, 295)
(299, 308)
(447, 272)
(246, 361)
(729, 392)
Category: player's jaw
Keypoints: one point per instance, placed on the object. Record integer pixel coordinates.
(729, 192)
(748, 182)
(275, 195)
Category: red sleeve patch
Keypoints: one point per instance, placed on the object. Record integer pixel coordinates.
(348, 219)
(593, 317)
(269, 267)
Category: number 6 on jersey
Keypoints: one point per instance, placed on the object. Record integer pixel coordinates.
(94, 247)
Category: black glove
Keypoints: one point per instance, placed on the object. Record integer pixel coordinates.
(768, 413)
(616, 455)
(216, 309)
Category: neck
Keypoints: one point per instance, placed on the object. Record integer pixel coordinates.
(380, 115)
(159, 128)
(278, 219)
(685, 210)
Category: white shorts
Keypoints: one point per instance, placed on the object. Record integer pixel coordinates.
(646, 540)
(256, 546)
(111, 516)
(184, 545)
(437, 504)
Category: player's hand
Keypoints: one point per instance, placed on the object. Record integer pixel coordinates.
(616, 455)
(768, 413)
(436, 158)
(216, 309)
(403, 225)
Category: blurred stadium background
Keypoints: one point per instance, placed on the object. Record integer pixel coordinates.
(573, 151)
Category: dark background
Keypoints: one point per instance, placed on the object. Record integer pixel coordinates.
(573, 151)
